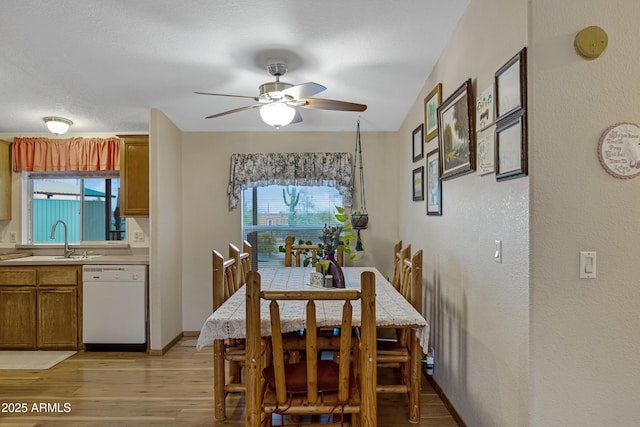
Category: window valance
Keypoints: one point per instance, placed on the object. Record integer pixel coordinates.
(39, 154)
(312, 169)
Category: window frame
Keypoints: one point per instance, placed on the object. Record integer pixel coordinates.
(28, 178)
(300, 231)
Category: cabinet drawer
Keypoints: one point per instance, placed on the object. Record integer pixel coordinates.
(57, 276)
(17, 276)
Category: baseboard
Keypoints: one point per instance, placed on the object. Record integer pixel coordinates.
(161, 352)
(190, 333)
(447, 404)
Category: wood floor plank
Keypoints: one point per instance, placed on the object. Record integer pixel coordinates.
(135, 389)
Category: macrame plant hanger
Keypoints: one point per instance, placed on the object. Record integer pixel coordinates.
(360, 219)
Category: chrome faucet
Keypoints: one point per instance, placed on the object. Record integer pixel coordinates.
(67, 251)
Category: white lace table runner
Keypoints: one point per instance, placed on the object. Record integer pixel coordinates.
(229, 321)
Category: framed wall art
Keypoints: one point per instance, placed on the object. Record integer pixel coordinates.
(456, 133)
(431, 104)
(485, 109)
(418, 144)
(511, 86)
(434, 184)
(485, 156)
(511, 148)
(418, 184)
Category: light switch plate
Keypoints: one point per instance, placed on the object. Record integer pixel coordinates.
(588, 265)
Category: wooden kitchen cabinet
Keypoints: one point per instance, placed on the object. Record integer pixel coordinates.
(58, 317)
(134, 175)
(17, 317)
(58, 304)
(40, 307)
(5, 180)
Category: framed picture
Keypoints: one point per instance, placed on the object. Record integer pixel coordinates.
(485, 108)
(418, 184)
(511, 147)
(485, 154)
(511, 86)
(418, 150)
(431, 104)
(434, 184)
(456, 133)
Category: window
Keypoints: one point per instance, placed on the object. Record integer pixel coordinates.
(271, 213)
(88, 203)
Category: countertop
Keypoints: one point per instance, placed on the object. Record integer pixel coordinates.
(92, 259)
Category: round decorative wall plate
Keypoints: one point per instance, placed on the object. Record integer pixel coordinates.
(619, 150)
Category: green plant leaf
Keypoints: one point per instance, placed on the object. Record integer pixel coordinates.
(342, 217)
(340, 210)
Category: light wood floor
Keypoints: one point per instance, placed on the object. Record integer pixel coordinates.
(134, 389)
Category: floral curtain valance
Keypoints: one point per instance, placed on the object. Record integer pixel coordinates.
(40, 154)
(313, 169)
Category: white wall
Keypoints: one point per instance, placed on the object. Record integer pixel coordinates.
(585, 334)
(478, 309)
(165, 255)
(208, 224)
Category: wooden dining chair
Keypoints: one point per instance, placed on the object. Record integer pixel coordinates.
(399, 255)
(312, 387)
(242, 260)
(246, 261)
(396, 353)
(225, 284)
(294, 251)
(397, 263)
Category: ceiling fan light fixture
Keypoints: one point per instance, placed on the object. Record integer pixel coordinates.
(57, 125)
(277, 114)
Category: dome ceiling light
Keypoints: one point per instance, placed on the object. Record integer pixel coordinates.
(57, 125)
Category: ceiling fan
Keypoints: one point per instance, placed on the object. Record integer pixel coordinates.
(278, 100)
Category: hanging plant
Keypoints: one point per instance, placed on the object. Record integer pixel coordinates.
(347, 235)
(359, 218)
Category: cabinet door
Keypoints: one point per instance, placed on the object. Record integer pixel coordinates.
(17, 317)
(134, 175)
(58, 317)
(5, 181)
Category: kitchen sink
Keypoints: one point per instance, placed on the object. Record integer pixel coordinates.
(76, 257)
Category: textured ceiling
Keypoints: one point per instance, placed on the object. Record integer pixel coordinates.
(105, 63)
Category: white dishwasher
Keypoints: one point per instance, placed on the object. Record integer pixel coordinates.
(114, 307)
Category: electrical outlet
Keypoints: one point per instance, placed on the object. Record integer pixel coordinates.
(138, 236)
(13, 237)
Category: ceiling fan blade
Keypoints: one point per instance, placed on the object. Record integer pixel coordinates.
(222, 94)
(303, 90)
(297, 118)
(329, 104)
(248, 107)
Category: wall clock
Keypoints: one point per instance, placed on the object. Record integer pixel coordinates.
(619, 150)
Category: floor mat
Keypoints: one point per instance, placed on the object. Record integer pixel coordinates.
(32, 360)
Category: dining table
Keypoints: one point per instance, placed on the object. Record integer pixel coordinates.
(392, 311)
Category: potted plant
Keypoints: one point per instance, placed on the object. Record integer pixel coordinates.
(359, 220)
